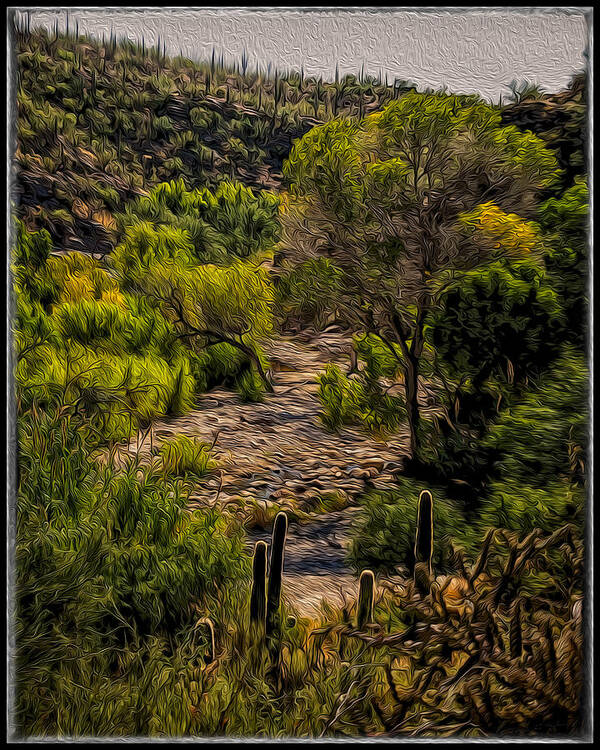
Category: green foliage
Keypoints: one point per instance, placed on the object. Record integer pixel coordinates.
(566, 221)
(107, 565)
(224, 304)
(523, 90)
(182, 456)
(119, 353)
(145, 246)
(113, 566)
(230, 222)
(545, 435)
(361, 400)
(524, 507)
(308, 292)
(380, 361)
(221, 363)
(384, 199)
(32, 249)
(249, 386)
(327, 163)
(497, 321)
(383, 536)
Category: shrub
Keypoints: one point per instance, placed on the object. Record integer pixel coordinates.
(384, 534)
(545, 435)
(249, 386)
(231, 221)
(361, 402)
(182, 456)
(522, 508)
(115, 392)
(378, 359)
(109, 569)
(498, 321)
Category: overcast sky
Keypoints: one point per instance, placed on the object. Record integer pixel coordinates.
(466, 50)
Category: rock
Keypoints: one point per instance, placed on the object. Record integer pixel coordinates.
(363, 473)
(374, 463)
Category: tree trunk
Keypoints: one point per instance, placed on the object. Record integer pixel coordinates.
(411, 381)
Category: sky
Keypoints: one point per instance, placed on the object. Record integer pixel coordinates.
(468, 51)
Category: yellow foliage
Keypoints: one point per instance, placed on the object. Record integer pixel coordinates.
(507, 233)
(76, 288)
(79, 277)
(115, 297)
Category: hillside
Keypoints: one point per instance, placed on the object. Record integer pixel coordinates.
(99, 124)
(561, 120)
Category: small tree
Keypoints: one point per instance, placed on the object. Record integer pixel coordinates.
(383, 198)
(206, 304)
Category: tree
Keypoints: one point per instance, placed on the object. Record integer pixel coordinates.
(206, 304)
(565, 222)
(383, 199)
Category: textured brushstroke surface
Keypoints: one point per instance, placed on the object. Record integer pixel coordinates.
(467, 51)
(301, 374)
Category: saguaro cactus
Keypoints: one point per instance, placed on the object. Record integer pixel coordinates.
(276, 570)
(366, 591)
(424, 542)
(258, 597)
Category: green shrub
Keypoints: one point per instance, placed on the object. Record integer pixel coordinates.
(182, 456)
(109, 568)
(249, 386)
(231, 221)
(502, 320)
(522, 508)
(383, 536)
(115, 392)
(180, 396)
(545, 435)
(378, 359)
(357, 401)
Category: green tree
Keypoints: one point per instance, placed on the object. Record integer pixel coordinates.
(565, 220)
(383, 199)
(206, 304)
(498, 321)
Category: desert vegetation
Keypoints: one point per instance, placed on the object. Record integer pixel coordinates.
(176, 225)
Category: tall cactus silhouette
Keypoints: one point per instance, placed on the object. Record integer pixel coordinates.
(366, 590)
(424, 542)
(276, 571)
(258, 597)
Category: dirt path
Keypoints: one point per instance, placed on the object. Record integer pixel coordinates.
(278, 449)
